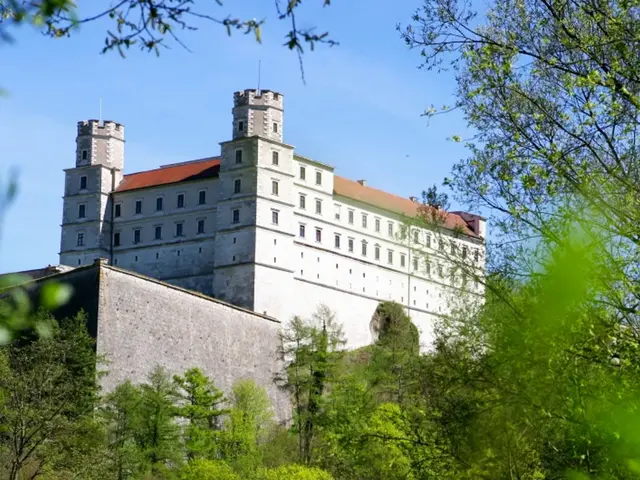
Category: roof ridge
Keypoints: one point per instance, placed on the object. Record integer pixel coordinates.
(174, 165)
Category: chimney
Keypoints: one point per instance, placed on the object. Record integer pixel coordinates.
(362, 182)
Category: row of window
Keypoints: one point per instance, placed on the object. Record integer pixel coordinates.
(364, 247)
(180, 203)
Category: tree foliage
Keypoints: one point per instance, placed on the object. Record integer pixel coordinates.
(151, 24)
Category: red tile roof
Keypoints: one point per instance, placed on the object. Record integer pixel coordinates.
(387, 201)
(210, 167)
(182, 172)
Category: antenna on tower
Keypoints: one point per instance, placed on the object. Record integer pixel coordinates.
(100, 117)
(259, 67)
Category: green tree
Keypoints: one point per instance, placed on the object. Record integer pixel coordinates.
(249, 422)
(200, 404)
(121, 414)
(148, 24)
(551, 94)
(312, 350)
(157, 433)
(48, 393)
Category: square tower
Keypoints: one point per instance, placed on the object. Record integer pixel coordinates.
(258, 113)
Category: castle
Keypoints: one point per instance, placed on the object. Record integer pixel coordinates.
(264, 228)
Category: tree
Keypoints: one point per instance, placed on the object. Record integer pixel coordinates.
(249, 422)
(201, 406)
(311, 350)
(149, 23)
(48, 393)
(550, 90)
(156, 432)
(121, 415)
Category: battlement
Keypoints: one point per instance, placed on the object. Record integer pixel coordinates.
(257, 97)
(96, 127)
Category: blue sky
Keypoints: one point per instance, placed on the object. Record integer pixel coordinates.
(359, 110)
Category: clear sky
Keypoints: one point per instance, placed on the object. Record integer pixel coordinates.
(359, 110)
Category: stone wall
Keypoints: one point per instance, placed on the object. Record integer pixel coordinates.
(140, 323)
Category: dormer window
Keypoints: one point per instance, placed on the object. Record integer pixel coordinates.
(241, 126)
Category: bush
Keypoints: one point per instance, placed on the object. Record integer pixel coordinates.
(293, 472)
(207, 470)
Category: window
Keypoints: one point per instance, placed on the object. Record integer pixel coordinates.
(440, 271)
(180, 202)
(428, 268)
(235, 216)
(364, 249)
(476, 255)
(202, 197)
(416, 236)
(275, 158)
(157, 233)
(318, 178)
(83, 182)
(350, 217)
(350, 244)
(200, 227)
(464, 252)
(364, 221)
(179, 229)
(118, 210)
(415, 264)
(302, 230)
(136, 235)
(237, 186)
(159, 204)
(336, 241)
(82, 211)
(428, 241)
(274, 187)
(453, 249)
(116, 239)
(85, 154)
(275, 127)
(240, 126)
(390, 229)
(80, 240)
(441, 245)
(138, 207)
(303, 173)
(390, 257)
(274, 217)
(403, 259)
(377, 225)
(377, 252)
(337, 207)
(303, 202)
(318, 235)
(238, 156)
(318, 207)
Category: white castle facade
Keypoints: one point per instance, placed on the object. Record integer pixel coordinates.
(264, 228)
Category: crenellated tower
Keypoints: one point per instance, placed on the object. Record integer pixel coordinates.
(86, 217)
(254, 236)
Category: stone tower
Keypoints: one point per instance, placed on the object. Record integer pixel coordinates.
(86, 215)
(254, 240)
